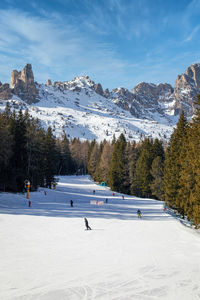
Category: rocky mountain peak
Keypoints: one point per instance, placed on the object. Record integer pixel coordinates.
(26, 75)
(22, 84)
(191, 77)
(48, 83)
(187, 86)
(80, 82)
(194, 73)
(152, 90)
(5, 91)
(98, 89)
(106, 93)
(144, 88)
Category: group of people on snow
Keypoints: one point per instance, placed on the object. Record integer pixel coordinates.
(85, 219)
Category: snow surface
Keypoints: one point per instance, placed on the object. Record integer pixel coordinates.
(46, 253)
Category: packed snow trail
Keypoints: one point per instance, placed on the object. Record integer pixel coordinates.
(46, 253)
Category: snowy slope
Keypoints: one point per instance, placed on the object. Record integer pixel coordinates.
(47, 254)
(75, 108)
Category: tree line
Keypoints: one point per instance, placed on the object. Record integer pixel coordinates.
(182, 167)
(128, 167)
(27, 151)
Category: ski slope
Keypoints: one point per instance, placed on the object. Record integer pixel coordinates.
(46, 253)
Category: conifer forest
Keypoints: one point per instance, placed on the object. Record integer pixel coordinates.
(169, 172)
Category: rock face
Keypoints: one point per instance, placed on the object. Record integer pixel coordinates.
(125, 99)
(152, 92)
(5, 91)
(106, 93)
(148, 98)
(98, 89)
(22, 84)
(144, 100)
(48, 83)
(187, 87)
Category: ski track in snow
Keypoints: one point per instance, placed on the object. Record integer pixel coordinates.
(46, 253)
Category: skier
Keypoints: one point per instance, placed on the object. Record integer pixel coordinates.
(87, 225)
(139, 213)
(93, 191)
(123, 197)
(71, 203)
(106, 200)
(29, 203)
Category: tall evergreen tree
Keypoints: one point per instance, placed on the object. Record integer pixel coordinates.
(66, 164)
(79, 151)
(172, 165)
(36, 137)
(18, 161)
(104, 163)
(188, 200)
(157, 181)
(134, 155)
(50, 158)
(158, 150)
(6, 151)
(94, 160)
(142, 176)
(117, 166)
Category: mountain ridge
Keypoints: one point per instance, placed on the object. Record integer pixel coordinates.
(64, 105)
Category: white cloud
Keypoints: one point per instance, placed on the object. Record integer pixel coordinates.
(54, 44)
(192, 34)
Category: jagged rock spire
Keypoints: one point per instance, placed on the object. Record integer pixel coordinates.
(23, 85)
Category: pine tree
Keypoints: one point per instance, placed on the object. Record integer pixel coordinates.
(142, 176)
(189, 184)
(92, 144)
(7, 111)
(50, 158)
(172, 165)
(93, 160)
(104, 162)
(6, 151)
(157, 174)
(133, 157)
(158, 150)
(127, 168)
(118, 165)
(97, 173)
(35, 161)
(18, 162)
(66, 164)
(79, 151)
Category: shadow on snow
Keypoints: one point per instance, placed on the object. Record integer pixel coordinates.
(80, 189)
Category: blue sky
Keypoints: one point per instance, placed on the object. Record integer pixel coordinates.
(115, 42)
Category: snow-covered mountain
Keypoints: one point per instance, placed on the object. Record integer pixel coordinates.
(82, 109)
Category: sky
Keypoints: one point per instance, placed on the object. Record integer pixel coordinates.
(117, 43)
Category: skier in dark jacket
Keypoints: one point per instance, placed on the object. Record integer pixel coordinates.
(87, 225)
(139, 213)
(71, 203)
